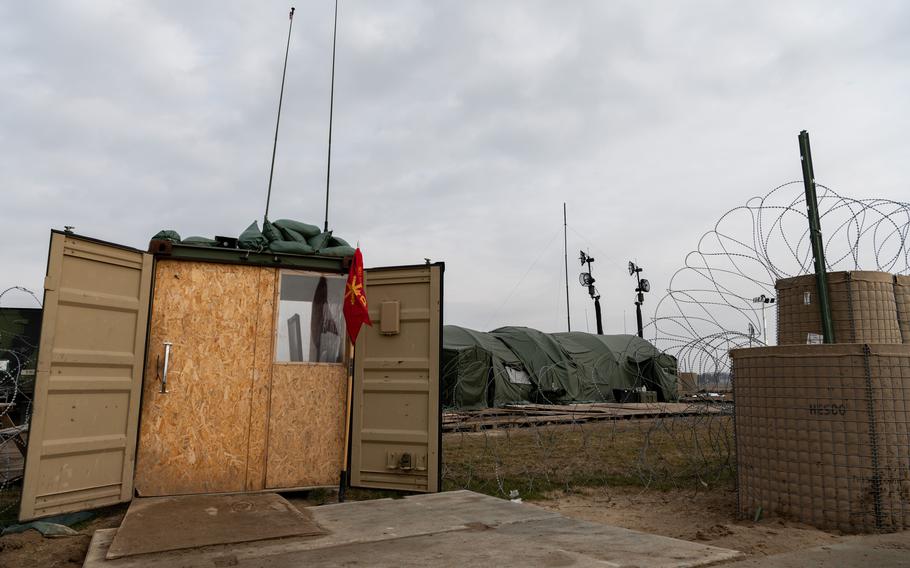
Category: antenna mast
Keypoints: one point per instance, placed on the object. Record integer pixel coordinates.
(565, 248)
(287, 48)
(328, 167)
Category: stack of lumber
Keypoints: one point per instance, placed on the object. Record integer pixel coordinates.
(12, 449)
(518, 415)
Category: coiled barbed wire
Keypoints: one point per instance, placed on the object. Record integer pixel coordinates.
(709, 308)
(12, 391)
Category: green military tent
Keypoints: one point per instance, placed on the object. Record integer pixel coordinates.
(623, 361)
(518, 364)
(480, 371)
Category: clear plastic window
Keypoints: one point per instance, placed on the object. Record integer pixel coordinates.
(310, 321)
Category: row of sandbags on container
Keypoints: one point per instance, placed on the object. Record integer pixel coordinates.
(866, 307)
(284, 236)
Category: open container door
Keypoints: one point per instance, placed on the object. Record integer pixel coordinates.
(82, 439)
(396, 440)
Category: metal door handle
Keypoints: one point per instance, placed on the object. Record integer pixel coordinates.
(167, 358)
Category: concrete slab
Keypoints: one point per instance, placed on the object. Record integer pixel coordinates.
(457, 528)
(157, 524)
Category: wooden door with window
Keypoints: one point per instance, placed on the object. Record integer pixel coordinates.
(255, 384)
(309, 382)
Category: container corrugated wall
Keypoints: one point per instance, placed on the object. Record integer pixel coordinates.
(823, 434)
(863, 307)
(902, 297)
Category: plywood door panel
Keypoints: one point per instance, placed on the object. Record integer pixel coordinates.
(395, 434)
(306, 424)
(83, 433)
(196, 437)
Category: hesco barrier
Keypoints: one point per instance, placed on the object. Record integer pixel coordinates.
(863, 308)
(822, 434)
(902, 298)
(686, 383)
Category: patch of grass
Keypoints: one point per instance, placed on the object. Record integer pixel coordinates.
(660, 454)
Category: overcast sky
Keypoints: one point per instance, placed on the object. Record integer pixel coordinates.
(460, 129)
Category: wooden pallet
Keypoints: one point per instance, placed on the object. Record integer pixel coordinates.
(523, 415)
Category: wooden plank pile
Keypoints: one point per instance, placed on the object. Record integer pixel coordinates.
(12, 449)
(519, 415)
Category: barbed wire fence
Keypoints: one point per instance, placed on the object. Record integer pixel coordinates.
(712, 305)
(17, 361)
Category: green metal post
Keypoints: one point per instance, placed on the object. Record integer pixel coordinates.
(815, 236)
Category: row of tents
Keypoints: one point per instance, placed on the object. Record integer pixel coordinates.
(514, 365)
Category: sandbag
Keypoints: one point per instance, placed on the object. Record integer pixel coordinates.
(271, 232)
(291, 235)
(337, 251)
(199, 241)
(304, 229)
(320, 241)
(338, 242)
(252, 238)
(290, 247)
(167, 235)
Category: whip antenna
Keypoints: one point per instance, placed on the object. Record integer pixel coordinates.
(278, 121)
(328, 167)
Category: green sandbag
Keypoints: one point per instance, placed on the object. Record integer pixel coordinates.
(199, 241)
(290, 247)
(337, 251)
(271, 232)
(292, 235)
(321, 240)
(338, 242)
(167, 235)
(304, 229)
(252, 238)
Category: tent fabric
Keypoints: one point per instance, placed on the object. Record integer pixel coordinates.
(480, 371)
(557, 376)
(627, 360)
(517, 364)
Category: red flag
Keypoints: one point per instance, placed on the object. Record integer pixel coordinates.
(355, 300)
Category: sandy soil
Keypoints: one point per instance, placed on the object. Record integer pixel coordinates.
(708, 517)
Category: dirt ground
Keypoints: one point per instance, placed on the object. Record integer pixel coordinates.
(708, 517)
(31, 550)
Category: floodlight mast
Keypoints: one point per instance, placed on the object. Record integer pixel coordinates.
(642, 287)
(764, 301)
(585, 279)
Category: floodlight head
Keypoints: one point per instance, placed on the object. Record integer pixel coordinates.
(645, 285)
(631, 268)
(582, 256)
(585, 279)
